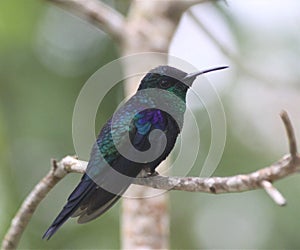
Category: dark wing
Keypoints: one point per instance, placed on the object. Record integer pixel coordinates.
(90, 198)
(108, 178)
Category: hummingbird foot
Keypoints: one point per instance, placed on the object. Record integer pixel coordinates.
(147, 172)
(153, 173)
(150, 172)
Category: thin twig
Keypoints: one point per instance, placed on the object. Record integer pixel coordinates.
(99, 14)
(273, 193)
(290, 133)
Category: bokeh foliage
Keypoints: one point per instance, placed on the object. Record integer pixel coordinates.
(36, 105)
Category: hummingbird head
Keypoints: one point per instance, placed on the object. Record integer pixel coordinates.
(172, 79)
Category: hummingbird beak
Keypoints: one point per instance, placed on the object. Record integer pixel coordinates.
(195, 74)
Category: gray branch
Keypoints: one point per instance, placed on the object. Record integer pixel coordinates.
(29, 205)
(97, 13)
(263, 178)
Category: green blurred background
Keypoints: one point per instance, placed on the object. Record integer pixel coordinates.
(46, 56)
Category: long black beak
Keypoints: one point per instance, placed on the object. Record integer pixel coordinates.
(195, 74)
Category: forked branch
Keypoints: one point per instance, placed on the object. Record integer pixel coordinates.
(263, 178)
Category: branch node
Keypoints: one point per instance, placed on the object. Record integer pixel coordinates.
(54, 164)
(213, 189)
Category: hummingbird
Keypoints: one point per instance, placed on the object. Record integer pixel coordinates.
(138, 137)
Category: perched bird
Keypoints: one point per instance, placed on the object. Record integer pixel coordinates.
(139, 136)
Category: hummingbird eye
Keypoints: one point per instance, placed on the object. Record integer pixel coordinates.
(164, 84)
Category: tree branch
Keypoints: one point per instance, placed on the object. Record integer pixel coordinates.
(23, 216)
(98, 13)
(263, 178)
(218, 185)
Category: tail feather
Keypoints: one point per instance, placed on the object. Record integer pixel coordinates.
(87, 201)
(74, 200)
(98, 206)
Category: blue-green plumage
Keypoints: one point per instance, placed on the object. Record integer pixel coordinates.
(159, 104)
